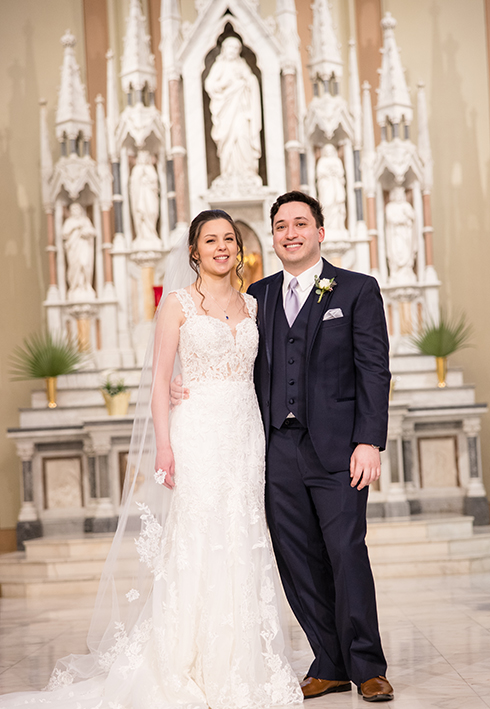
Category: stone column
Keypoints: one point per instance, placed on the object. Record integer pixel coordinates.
(101, 516)
(410, 465)
(51, 249)
(372, 231)
(427, 229)
(107, 243)
(396, 504)
(350, 186)
(29, 526)
(178, 150)
(475, 501)
(83, 313)
(53, 294)
(119, 255)
(292, 146)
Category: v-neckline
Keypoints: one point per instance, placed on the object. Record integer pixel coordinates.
(212, 317)
(197, 315)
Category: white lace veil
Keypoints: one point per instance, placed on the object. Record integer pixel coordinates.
(124, 596)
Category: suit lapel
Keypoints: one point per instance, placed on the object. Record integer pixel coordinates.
(272, 291)
(319, 309)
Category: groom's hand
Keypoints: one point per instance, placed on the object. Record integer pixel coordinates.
(177, 391)
(365, 465)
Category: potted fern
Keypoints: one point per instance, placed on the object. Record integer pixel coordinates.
(45, 356)
(116, 396)
(442, 339)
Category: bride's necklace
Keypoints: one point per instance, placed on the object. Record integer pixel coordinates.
(219, 306)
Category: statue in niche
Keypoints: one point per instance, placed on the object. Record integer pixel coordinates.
(145, 205)
(331, 189)
(235, 111)
(401, 244)
(78, 236)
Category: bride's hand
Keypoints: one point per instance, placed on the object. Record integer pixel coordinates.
(177, 391)
(165, 461)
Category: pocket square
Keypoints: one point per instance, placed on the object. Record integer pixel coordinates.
(333, 313)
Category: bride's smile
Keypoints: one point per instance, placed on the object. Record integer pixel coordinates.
(217, 248)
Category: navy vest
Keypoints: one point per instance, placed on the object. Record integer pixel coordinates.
(288, 389)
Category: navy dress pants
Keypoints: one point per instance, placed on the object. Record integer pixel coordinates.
(318, 525)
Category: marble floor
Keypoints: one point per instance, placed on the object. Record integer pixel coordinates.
(436, 635)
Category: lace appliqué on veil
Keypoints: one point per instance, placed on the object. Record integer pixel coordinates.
(130, 647)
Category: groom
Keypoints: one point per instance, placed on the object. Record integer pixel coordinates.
(322, 381)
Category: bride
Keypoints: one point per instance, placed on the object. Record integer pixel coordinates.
(195, 621)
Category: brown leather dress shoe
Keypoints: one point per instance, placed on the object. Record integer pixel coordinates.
(318, 687)
(377, 689)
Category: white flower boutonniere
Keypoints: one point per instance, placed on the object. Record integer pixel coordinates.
(324, 286)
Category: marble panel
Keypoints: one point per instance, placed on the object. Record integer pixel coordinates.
(438, 462)
(63, 483)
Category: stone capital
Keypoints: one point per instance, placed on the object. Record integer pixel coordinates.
(25, 450)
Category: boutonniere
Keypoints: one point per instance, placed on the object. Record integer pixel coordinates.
(324, 286)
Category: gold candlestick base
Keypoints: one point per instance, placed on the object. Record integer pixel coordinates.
(51, 392)
(441, 368)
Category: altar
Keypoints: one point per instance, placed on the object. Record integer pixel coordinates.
(234, 130)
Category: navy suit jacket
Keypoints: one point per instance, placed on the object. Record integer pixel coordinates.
(347, 364)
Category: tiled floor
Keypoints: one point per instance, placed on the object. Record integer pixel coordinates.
(436, 635)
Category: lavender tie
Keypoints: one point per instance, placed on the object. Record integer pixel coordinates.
(291, 302)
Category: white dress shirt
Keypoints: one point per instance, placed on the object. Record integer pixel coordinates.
(306, 281)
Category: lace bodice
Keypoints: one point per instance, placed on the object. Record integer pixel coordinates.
(209, 351)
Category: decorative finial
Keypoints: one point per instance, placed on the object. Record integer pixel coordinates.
(394, 104)
(325, 58)
(68, 39)
(388, 22)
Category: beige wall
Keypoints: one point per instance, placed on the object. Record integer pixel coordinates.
(30, 56)
(444, 43)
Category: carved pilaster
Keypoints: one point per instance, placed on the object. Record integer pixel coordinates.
(397, 504)
(475, 502)
(178, 150)
(292, 145)
(101, 516)
(29, 525)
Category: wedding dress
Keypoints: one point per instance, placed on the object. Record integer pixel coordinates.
(209, 633)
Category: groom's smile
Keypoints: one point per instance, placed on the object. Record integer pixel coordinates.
(296, 237)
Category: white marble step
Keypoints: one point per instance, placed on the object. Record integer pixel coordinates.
(398, 548)
(434, 397)
(477, 564)
(426, 380)
(419, 528)
(74, 398)
(412, 363)
(92, 379)
(63, 416)
(96, 546)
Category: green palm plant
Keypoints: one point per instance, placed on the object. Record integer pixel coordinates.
(445, 337)
(43, 356)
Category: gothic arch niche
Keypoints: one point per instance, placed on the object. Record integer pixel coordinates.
(212, 160)
(252, 252)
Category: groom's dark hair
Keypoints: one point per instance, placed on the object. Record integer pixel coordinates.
(297, 196)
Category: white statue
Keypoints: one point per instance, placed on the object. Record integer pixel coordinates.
(78, 235)
(145, 207)
(401, 244)
(235, 111)
(331, 189)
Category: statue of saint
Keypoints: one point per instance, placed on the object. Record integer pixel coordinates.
(401, 244)
(78, 236)
(145, 206)
(235, 111)
(331, 188)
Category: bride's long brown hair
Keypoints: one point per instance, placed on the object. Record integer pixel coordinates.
(209, 215)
